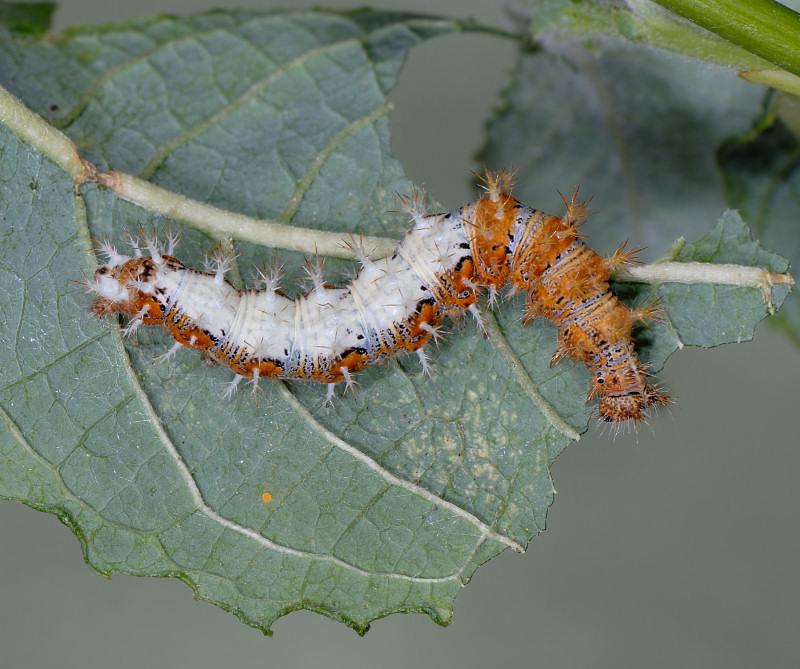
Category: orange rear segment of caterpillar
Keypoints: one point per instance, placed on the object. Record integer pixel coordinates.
(566, 282)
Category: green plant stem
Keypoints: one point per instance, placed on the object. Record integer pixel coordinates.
(707, 273)
(762, 27)
(35, 131)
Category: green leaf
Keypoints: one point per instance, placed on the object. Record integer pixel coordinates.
(386, 502)
(639, 22)
(21, 18)
(705, 313)
(756, 38)
(631, 130)
(722, 314)
(761, 169)
(658, 158)
(371, 512)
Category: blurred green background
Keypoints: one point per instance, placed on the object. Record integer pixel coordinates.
(676, 547)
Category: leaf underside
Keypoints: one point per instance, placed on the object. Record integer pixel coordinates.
(385, 502)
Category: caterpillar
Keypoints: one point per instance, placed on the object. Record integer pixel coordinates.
(397, 304)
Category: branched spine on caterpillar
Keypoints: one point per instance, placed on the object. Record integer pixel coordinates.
(395, 305)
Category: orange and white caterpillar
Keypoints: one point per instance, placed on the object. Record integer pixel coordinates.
(396, 304)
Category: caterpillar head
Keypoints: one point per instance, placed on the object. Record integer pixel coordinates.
(123, 287)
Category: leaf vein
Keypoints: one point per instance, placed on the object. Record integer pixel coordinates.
(253, 91)
(528, 386)
(203, 508)
(304, 183)
(485, 530)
